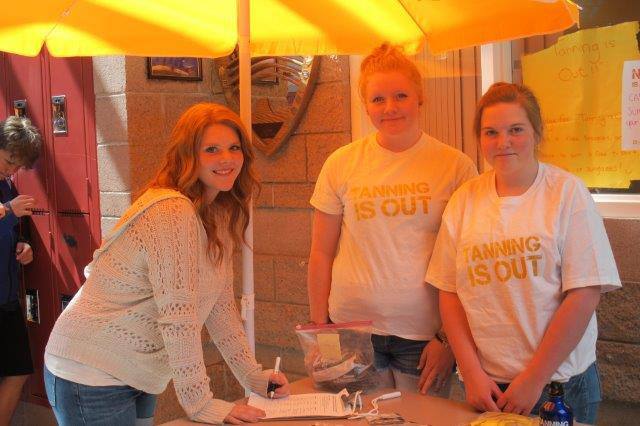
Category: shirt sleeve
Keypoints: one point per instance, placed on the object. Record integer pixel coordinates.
(226, 331)
(587, 259)
(326, 193)
(466, 171)
(441, 272)
(172, 228)
(9, 221)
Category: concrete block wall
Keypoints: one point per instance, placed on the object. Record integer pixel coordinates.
(619, 317)
(283, 216)
(134, 116)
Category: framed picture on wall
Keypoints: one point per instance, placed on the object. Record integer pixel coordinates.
(174, 68)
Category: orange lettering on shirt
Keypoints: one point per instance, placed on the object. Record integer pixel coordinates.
(522, 273)
(425, 202)
(475, 254)
(533, 243)
(482, 274)
(408, 210)
(502, 265)
(465, 252)
(365, 210)
(534, 263)
(390, 207)
(517, 246)
(478, 274)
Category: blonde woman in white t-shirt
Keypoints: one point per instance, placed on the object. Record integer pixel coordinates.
(521, 259)
(379, 202)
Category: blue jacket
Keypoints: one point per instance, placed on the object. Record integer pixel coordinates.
(9, 237)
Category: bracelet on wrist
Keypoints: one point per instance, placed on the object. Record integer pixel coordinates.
(442, 338)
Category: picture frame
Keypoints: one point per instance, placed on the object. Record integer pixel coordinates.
(174, 68)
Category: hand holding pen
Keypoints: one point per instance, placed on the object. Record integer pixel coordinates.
(278, 384)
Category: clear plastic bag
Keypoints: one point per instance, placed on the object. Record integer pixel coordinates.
(339, 356)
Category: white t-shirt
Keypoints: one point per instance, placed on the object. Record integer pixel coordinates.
(392, 203)
(511, 259)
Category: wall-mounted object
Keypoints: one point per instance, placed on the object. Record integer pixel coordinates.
(59, 115)
(174, 68)
(281, 87)
(32, 308)
(20, 108)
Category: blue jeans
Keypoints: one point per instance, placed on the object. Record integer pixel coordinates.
(582, 393)
(74, 404)
(398, 353)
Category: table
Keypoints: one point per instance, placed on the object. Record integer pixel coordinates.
(414, 407)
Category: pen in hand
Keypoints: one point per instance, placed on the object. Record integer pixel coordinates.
(271, 388)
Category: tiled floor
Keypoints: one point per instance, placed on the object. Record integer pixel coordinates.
(33, 415)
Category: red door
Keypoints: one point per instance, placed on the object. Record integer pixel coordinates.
(65, 227)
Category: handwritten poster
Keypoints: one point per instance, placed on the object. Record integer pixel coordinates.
(578, 82)
(631, 106)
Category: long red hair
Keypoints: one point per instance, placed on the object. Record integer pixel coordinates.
(179, 171)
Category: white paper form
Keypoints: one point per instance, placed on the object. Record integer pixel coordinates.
(309, 405)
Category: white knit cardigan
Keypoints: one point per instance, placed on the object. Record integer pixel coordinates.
(150, 288)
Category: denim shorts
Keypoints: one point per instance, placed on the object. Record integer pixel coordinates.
(398, 353)
(75, 404)
(583, 393)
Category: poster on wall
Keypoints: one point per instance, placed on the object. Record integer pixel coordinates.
(631, 106)
(174, 68)
(578, 82)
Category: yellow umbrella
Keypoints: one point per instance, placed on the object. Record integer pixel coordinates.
(212, 28)
(207, 28)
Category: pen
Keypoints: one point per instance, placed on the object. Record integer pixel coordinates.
(271, 388)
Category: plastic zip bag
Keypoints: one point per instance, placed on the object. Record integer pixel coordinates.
(338, 356)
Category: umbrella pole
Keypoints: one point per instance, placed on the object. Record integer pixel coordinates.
(244, 58)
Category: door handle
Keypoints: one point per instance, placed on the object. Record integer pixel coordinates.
(20, 108)
(59, 114)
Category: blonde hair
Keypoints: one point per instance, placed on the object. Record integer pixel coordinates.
(388, 58)
(509, 93)
(179, 171)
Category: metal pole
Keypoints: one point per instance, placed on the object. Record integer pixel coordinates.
(244, 57)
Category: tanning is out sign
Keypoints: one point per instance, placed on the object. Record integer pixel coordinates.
(630, 117)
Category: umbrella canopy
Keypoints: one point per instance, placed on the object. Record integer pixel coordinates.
(208, 28)
(212, 28)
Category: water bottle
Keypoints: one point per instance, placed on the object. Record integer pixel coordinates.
(555, 412)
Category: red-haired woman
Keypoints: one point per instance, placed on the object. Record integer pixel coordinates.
(163, 272)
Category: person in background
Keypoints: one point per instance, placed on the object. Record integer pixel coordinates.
(521, 260)
(379, 202)
(163, 272)
(20, 145)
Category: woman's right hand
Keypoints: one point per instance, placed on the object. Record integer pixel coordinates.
(243, 413)
(22, 205)
(482, 392)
